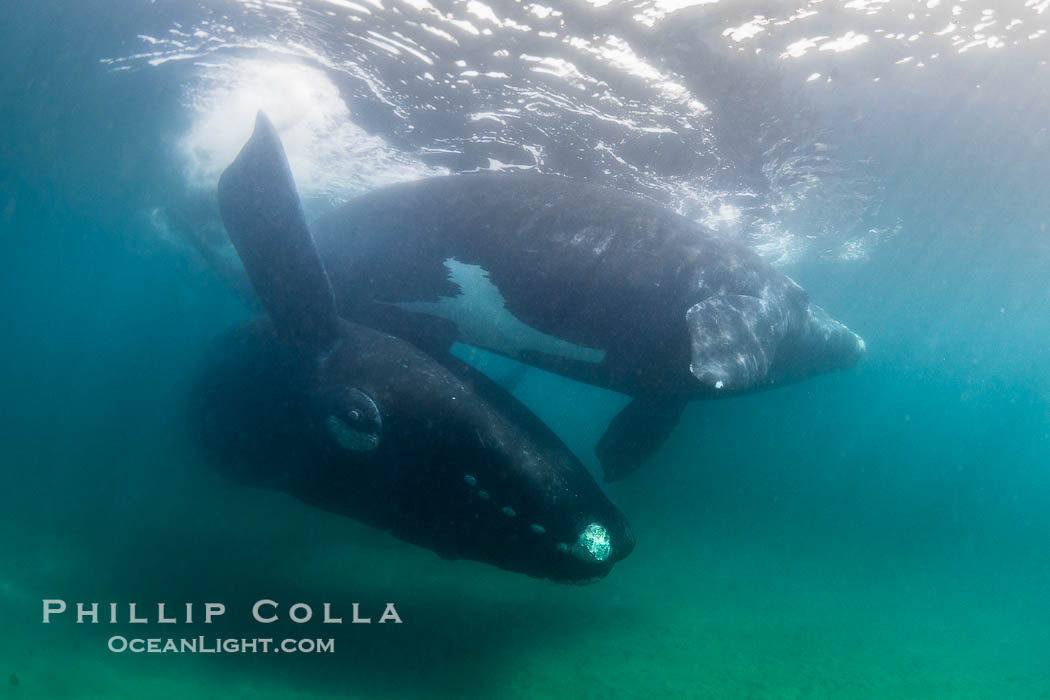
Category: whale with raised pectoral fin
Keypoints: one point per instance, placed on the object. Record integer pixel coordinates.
(366, 425)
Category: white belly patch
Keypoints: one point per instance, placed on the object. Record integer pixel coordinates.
(482, 319)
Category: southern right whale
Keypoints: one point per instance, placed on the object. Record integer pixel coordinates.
(368, 426)
(588, 282)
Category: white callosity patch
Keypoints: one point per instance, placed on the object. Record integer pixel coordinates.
(483, 320)
(594, 542)
(732, 346)
(735, 337)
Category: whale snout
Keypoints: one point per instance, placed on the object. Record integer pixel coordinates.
(604, 545)
(820, 344)
(589, 555)
(745, 343)
(832, 342)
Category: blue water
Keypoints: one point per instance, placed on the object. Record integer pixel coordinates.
(876, 533)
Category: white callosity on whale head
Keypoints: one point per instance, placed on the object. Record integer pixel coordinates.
(483, 320)
(594, 543)
(734, 338)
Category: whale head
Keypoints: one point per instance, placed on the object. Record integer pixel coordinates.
(374, 430)
(817, 344)
(766, 336)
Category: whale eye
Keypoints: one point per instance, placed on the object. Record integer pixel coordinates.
(593, 544)
(353, 420)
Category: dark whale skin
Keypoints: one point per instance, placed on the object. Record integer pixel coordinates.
(676, 311)
(254, 412)
(368, 426)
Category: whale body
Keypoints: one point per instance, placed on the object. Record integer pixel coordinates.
(588, 282)
(366, 425)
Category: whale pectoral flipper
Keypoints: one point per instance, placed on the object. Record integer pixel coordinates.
(263, 216)
(636, 432)
(580, 370)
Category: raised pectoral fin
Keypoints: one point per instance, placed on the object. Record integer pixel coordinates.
(637, 432)
(263, 217)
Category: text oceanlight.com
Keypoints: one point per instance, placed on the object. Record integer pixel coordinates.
(218, 645)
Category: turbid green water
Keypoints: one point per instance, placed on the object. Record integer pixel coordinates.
(881, 533)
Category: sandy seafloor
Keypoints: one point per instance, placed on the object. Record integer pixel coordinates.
(763, 611)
